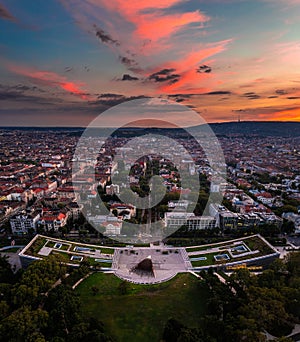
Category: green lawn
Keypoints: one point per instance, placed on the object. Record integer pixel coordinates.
(141, 314)
(210, 260)
(64, 257)
(256, 243)
(107, 250)
(196, 249)
(93, 262)
(41, 241)
(51, 244)
(36, 246)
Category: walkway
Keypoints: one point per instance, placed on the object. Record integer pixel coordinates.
(223, 280)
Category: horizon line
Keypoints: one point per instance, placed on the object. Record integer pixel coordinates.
(143, 127)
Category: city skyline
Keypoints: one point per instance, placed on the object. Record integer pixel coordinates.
(65, 62)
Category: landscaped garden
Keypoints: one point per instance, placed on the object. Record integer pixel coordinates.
(210, 260)
(70, 252)
(229, 251)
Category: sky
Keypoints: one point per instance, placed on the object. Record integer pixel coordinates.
(63, 62)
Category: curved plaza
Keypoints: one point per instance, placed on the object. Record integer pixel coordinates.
(253, 252)
(167, 262)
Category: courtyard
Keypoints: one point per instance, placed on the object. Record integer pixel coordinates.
(166, 263)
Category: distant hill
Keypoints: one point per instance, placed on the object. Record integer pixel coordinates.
(258, 128)
(247, 128)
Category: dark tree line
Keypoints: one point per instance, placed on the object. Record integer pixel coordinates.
(33, 309)
(246, 307)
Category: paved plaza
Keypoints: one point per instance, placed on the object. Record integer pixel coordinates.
(167, 262)
(13, 259)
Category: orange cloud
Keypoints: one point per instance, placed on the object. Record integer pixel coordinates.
(197, 57)
(155, 26)
(187, 66)
(147, 33)
(51, 79)
(145, 11)
(135, 6)
(188, 80)
(287, 115)
(138, 25)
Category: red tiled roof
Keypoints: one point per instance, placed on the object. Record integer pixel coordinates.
(61, 216)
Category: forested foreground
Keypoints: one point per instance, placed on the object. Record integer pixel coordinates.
(248, 307)
(34, 307)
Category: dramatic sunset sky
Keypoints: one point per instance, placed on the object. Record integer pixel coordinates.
(62, 62)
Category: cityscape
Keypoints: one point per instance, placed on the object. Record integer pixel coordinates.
(149, 171)
(50, 210)
(38, 195)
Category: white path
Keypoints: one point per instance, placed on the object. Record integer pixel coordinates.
(223, 280)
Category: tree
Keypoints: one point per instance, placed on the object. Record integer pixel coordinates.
(57, 339)
(241, 279)
(271, 230)
(37, 280)
(22, 324)
(278, 266)
(25, 295)
(4, 309)
(172, 330)
(63, 307)
(293, 264)
(287, 208)
(36, 337)
(87, 331)
(6, 273)
(287, 227)
(266, 306)
(284, 339)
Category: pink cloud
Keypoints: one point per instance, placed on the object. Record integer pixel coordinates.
(288, 52)
(155, 27)
(50, 79)
(150, 34)
(140, 26)
(136, 6)
(187, 65)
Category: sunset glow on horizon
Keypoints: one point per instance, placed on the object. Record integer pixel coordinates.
(63, 62)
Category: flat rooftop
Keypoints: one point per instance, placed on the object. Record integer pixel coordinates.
(167, 261)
